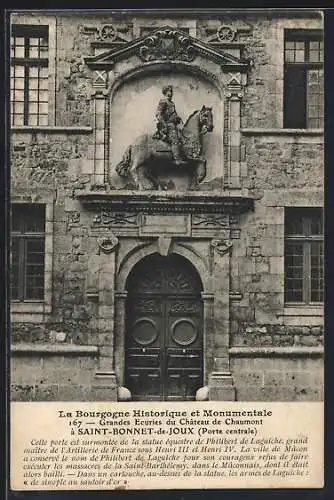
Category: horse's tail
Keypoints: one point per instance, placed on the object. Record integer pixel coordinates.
(123, 167)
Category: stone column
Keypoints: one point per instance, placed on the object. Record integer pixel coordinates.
(101, 128)
(105, 387)
(220, 380)
(232, 134)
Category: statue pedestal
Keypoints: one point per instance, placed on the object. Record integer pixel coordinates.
(221, 387)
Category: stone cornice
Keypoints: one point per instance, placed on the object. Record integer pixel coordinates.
(23, 348)
(260, 352)
(163, 202)
(188, 13)
(284, 131)
(51, 129)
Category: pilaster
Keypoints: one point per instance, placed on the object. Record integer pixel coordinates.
(101, 127)
(220, 379)
(105, 377)
(233, 94)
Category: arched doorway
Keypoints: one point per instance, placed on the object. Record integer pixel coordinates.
(164, 330)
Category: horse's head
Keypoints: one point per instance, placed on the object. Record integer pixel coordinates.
(205, 120)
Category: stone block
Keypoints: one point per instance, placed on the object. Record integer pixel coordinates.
(221, 387)
(243, 314)
(317, 330)
(47, 392)
(248, 393)
(309, 393)
(22, 392)
(249, 378)
(309, 340)
(313, 377)
(282, 340)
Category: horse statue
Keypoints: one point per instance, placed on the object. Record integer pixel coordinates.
(142, 159)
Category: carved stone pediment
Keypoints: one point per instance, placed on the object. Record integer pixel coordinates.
(166, 44)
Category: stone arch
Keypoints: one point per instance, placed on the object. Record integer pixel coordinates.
(138, 253)
(164, 67)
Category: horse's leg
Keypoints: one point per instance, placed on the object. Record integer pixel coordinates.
(141, 154)
(200, 170)
(144, 179)
(199, 173)
(138, 158)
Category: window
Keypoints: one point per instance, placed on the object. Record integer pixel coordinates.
(27, 252)
(303, 79)
(303, 255)
(29, 75)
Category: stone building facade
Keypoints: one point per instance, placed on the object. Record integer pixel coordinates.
(124, 287)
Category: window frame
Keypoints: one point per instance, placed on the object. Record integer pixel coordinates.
(305, 239)
(23, 241)
(302, 67)
(28, 63)
(34, 310)
(22, 22)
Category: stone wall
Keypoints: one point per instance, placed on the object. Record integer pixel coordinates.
(285, 376)
(52, 375)
(280, 169)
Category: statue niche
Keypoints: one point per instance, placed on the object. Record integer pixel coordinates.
(173, 146)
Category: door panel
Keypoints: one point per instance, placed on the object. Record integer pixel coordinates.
(164, 351)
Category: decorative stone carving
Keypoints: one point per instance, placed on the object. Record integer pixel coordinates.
(165, 153)
(111, 219)
(211, 220)
(167, 44)
(73, 219)
(226, 33)
(108, 243)
(234, 79)
(221, 246)
(234, 93)
(100, 78)
(164, 243)
(108, 32)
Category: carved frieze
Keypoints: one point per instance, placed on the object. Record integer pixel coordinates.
(210, 221)
(73, 219)
(226, 33)
(167, 44)
(107, 244)
(221, 246)
(112, 33)
(114, 219)
(108, 32)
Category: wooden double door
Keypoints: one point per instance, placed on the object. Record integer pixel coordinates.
(164, 335)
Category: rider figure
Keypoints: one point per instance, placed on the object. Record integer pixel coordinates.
(167, 123)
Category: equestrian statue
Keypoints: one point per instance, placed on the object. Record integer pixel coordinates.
(172, 143)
